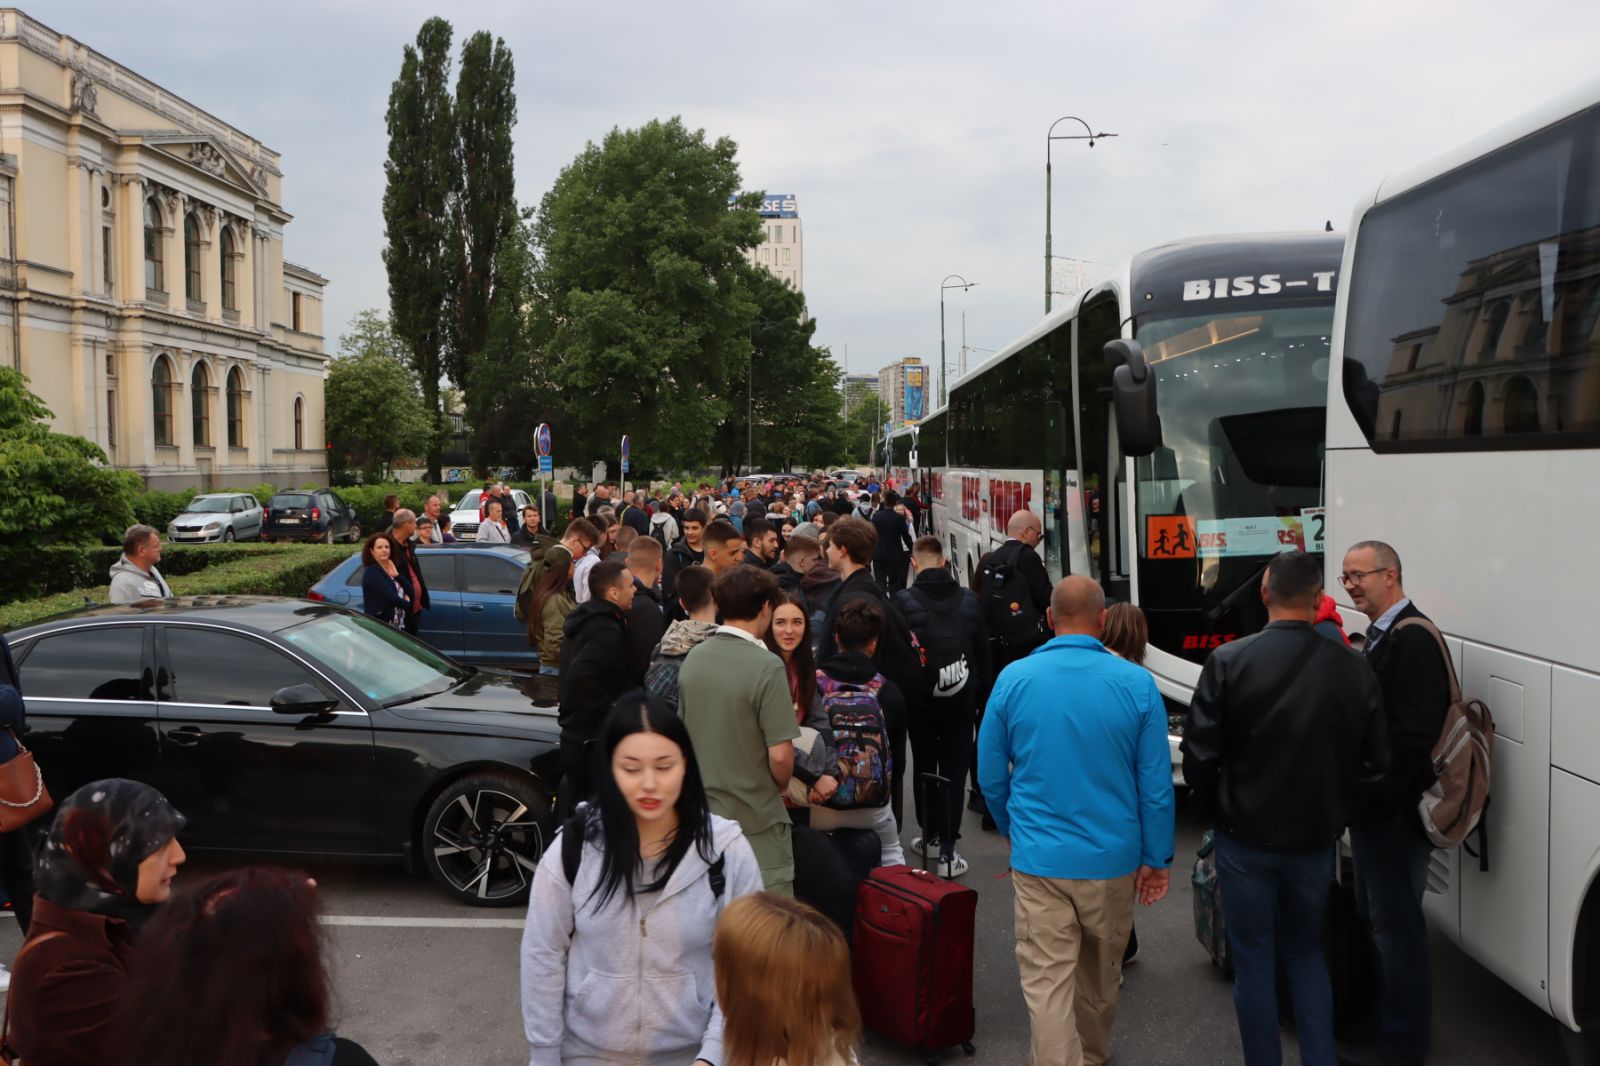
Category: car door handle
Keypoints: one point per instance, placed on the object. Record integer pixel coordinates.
(475, 608)
(189, 734)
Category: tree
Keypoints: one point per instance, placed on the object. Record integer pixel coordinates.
(503, 403)
(371, 333)
(57, 488)
(863, 430)
(422, 175)
(373, 408)
(483, 212)
(642, 319)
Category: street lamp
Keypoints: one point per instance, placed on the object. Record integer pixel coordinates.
(963, 284)
(1089, 135)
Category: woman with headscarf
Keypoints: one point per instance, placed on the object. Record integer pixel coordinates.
(105, 867)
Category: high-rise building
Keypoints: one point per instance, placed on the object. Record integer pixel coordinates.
(143, 285)
(782, 249)
(903, 388)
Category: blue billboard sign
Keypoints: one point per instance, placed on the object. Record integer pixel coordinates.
(916, 393)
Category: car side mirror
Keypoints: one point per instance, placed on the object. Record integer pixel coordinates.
(302, 701)
(1133, 396)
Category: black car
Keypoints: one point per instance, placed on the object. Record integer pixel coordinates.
(309, 514)
(280, 725)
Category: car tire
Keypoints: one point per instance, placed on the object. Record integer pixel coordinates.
(483, 836)
(227, 535)
(326, 538)
(355, 534)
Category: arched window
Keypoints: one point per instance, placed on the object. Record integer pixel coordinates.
(161, 399)
(191, 257)
(1521, 406)
(154, 265)
(1472, 424)
(200, 404)
(299, 422)
(235, 408)
(230, 300)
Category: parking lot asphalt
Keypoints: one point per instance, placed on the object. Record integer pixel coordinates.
(423, 981)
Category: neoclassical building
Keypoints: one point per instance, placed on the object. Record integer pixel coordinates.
(143, 285)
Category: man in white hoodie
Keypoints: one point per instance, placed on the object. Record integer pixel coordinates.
(134, 577)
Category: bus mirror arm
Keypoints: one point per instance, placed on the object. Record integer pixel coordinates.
(1133, 394)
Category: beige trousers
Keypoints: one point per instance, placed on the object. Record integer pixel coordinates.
(1070, 939)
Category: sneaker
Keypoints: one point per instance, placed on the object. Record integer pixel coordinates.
(924, 845)
(952, 867)
(5, 978)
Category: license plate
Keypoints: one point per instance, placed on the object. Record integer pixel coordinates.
(289, 521)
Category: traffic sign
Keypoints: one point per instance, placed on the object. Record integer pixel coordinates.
(625, 445)
(546, 466)
(541, 440)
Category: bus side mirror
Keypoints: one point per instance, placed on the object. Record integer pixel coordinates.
(1133, 395)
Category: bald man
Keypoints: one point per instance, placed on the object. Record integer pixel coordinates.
(1074, 763)
(1014, 589)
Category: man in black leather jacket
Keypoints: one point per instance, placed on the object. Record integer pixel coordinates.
(1284, 735)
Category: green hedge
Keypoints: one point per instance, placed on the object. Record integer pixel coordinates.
(28, 571)
(288, 570)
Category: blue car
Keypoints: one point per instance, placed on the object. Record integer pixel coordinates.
(472, 589)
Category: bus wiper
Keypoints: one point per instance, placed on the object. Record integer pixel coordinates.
(1253, 581)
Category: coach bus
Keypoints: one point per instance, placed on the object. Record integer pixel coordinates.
(1463, 428)
(1235, 335)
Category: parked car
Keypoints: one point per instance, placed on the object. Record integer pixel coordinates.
(309, 514)
(217, 516)
(280, 725)
(472, 590)
(464, 519)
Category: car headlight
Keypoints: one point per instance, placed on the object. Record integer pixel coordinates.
(213, 526)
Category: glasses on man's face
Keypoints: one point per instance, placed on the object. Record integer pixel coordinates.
(1356, 577)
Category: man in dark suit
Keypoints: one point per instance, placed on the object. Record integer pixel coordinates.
(1391, 851)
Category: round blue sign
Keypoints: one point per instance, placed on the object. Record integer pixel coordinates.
(541, 439)
(624, 447)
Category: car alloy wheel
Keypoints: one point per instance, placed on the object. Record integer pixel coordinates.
(483, 836)
(227, 535)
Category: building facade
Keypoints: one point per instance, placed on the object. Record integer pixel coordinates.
(143, 286)
(903, 388)
(782, 249)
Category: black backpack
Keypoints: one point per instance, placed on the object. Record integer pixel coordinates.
(947, 669)
(1008, 607)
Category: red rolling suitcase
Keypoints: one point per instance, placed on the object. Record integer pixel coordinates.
(912, 959)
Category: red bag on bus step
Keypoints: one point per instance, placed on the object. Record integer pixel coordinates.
(912, 958)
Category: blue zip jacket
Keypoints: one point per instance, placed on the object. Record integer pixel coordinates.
(1074, 763)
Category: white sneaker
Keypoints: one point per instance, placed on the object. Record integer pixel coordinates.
(955, 867)
(921, 846)
(5, 978)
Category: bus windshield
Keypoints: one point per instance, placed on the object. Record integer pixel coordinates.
(1238, 477)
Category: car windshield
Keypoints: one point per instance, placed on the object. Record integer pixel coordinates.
(469, 502)
(209, 505)
(292, 500)
(389, 666)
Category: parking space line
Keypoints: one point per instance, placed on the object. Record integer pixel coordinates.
(422, 923)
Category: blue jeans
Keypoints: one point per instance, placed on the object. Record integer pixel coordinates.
(1391, 857)
(1274, 903)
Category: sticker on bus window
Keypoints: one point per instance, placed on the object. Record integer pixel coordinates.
(1314, 523)
(1184, 537)
(1169, 536)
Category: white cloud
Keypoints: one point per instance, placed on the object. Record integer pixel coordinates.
(913, 135)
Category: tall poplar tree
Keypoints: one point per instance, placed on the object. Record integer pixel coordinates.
(422, 175)
(484, 209)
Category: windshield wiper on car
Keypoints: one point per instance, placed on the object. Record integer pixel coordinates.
(424, 694)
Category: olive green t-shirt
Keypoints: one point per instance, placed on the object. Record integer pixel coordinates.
(733, 696)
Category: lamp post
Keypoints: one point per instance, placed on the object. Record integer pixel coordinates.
(1089, 135)
(963, 284)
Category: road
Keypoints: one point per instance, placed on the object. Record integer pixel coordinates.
(425, 982)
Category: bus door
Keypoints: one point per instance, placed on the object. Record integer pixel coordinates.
(1053, 506)
(1116, 517)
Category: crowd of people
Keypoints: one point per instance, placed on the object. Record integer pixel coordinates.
(741, 672)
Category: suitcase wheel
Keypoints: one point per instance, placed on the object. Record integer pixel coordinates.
(969, 1049)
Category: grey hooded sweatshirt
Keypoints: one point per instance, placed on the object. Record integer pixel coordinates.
(630, 981)
(129, 584)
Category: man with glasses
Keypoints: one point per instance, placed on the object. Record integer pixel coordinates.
(1391, 852)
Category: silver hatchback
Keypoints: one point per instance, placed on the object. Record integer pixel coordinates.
(217, 516)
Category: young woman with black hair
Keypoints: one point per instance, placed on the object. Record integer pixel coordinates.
(616, 953)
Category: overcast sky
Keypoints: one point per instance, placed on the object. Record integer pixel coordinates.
(912, 135)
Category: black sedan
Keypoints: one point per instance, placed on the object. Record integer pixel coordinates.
(281, 725)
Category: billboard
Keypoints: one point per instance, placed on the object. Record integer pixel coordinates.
(916, 392)
(775, 205)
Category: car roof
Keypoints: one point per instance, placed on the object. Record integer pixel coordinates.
(267, 614)
(220, 495)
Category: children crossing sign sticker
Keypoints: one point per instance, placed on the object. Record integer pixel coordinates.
(1176, 536)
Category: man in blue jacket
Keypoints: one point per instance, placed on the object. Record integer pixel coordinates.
(1074, 764)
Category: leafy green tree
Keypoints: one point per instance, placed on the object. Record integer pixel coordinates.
(57, 488)
(642, 319)
(504, 403)
(371, 333)
(422, 175)
(863, 430)
(483, 213)
(373, 408)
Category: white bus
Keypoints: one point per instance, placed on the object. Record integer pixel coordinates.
(1463, 428)
(1235, 333)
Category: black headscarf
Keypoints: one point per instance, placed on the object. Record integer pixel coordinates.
(102, 832)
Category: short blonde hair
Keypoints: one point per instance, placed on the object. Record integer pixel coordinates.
(783, 982)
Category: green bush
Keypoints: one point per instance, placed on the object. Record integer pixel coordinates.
(287, 570)
(157, 509)
(29, 572)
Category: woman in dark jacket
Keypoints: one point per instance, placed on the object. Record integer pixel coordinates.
(106, 866)
(383, 596)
